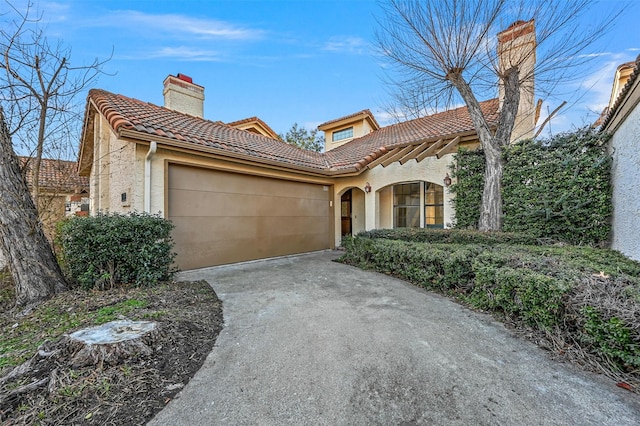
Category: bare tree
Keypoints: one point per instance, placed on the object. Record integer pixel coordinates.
(34, 268)
(39, 89)
(445, 53)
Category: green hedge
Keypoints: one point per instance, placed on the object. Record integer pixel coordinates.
(453, 236)
(581, 294)
(558, 188)
(468, 171)
(113, 249)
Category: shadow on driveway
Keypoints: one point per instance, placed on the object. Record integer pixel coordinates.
(311, 341)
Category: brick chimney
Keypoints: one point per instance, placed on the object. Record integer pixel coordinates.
(517, 48)
(183, 95)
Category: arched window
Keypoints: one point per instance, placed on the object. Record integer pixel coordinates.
(407, 199)
(406, 205)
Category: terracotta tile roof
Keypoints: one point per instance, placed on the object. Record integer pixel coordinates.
(56, 175)
(131, 114)
(346, 117)
(623, 92)
(441, 125)
(127, 113)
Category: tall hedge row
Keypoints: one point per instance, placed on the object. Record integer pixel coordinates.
(113, 249)
(557, 188)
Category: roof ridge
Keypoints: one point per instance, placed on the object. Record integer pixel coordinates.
(366, 111)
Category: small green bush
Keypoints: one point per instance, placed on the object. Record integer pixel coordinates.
(611, 338)
(113, 249)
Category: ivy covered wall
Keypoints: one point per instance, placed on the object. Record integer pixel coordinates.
(556, 188)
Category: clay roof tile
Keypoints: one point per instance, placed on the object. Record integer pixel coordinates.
(127, 113)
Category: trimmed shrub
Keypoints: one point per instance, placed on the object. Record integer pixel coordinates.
(468, 172)
(584, 295)
(113, 249)
(453, 236)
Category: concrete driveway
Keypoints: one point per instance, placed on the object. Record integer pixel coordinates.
(310, 341)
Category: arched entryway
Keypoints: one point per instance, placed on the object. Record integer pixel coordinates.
(352, 212)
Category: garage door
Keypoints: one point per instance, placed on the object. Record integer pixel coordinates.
(223, 217)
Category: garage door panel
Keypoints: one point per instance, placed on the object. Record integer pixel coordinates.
(187, 203)
(223, 217)
(218, 181)
(192, 203)
(203, 229)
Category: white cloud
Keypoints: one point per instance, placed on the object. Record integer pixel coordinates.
(178, 24)
(186, 53)
(598, 84)
(351, 45)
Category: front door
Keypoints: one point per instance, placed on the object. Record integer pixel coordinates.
(345, 209)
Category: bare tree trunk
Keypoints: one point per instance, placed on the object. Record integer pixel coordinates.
(491, 209)
(36, 273)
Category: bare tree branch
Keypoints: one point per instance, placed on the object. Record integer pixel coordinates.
(443, 53)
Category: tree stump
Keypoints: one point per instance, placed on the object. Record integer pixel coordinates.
(110, 343)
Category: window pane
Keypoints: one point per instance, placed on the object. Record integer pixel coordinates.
(434, 205)
(413, 217)
(342, 134)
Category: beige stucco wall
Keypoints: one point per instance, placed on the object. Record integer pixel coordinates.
(114, 172)
(361, 127)
(626, 186)
(378, 204)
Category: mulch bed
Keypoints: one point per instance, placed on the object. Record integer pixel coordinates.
(189, 317)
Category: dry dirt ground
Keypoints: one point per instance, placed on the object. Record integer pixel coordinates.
(189, 316)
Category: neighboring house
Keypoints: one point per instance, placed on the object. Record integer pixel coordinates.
(62, 192)
(623, 122)
(236, 195)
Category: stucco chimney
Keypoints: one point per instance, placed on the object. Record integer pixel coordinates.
(183, 95)
(517, 48)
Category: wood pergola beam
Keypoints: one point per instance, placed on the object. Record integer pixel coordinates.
(430, 151)
(382, 158)
(414, 152)
(398, 155)
(450, 147)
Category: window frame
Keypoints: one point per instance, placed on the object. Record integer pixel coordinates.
(436, 205)
(346, 130)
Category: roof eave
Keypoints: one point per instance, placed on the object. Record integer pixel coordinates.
(85, 154)
(135, 136)
(630, 97)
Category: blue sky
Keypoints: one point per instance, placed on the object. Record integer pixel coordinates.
(283, 61)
